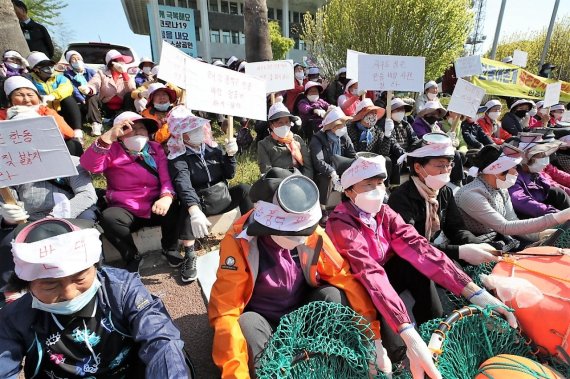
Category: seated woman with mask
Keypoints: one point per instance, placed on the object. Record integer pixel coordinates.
(77, 320)
(161, 99)
(391, 257)
(273, 260)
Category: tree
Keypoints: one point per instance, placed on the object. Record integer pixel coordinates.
(45, 12)
(11, 36)
(533, 42)
(279, 45)
(257, 43)
(435, 29)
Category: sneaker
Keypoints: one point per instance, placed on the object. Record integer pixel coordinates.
(173, 257)
(188, 272)
(96, 129)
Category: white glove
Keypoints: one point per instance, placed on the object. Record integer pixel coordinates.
(421, 362)
(388, 127)
(140, 104)
(361, 92)
(78, 133)
(562, 216)
(382, 360)
(231, 147)
(297, 120)
(453, 138)
(18, 112)
(525, 121)
(84, 90)
(483, 299)
(320, 112)
(13, 213)
(199, 222)
(336, 182)
(144, 94)
(48, 98)
(477, 253)
(119, 67)
(545, 234)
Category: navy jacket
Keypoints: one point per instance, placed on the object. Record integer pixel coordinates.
(321, 152)
(70, 74)
(474, 136)
(38, 38)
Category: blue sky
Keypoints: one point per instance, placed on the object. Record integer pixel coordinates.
(94, 20)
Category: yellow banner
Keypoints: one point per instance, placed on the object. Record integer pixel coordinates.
(505, 79)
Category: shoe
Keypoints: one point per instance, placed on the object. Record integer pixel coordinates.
(96, 129)
(188, 272)
(173, 257)
(134, 264)
(324, 219)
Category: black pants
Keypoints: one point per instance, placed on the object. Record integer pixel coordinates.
(557, 198)
(74, 147)
(119, 223)
(240, 198)
(95, 108)
(70, 112)
(456, 175)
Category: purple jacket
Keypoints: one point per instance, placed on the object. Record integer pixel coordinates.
(306, 108)
(421, 127)
(528, 195)
(367, 253)
(129, 184)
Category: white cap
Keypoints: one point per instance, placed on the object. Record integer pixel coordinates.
(154, 70)
(492, 103)
(114, 54)
(231, 60)
(311, 84)
(350, 83)
(313, 71)
(242, 66)
(431, 106)
(334, 114)
(71, 53)
(363, 168)
(430, 84)
(508, 59)
(539, 104)
(341, 70)
(37, 57)
(153, 87)
(397, 103)
(12, 54)
(15, 82)
(557, 107)
(218, 63)
(520, 102)
(278, 110)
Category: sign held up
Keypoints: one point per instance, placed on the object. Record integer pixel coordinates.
(552, 94)
(466, 98)
(468, 66)
(520, 58)
(32, 150)
(391, 73)
(352, 63)
(278, 75)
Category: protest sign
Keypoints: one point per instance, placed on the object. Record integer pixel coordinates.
(352, 64)
(390, 72)
(566, 116)
(32, 150)
(552, 94)
(466, 98)
(468, 66)
(277, 75)
(176, 26)
(520, 58)
(172, 68)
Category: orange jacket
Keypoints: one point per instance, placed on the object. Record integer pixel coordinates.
(65, 129)
(163, 133)
(498, 136)
(239, 263)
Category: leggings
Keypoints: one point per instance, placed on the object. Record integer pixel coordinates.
(70, 112)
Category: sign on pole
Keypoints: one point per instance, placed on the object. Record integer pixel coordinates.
(466, 98)
(32, 150)
(278, 75)
(176, 26)
(520, 58)
(390, 73)
(552, 94)
(468, 66)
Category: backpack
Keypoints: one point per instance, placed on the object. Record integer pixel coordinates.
(244, 139)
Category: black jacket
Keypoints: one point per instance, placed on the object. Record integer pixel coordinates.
(321, 153)
(511, 124)
(189, 172)
(474, 136)
(407, 201)
(37, 37)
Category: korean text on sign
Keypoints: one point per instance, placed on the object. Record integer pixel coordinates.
(278, 75)
(468, 66)
(177, 27)
(391, 73)
(31, 150)
(466, 98)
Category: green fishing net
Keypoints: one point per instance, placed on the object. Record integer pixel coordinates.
(473, 272)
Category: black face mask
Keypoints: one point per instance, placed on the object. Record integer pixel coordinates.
(45, 72)
(521, 113)
(431, 119)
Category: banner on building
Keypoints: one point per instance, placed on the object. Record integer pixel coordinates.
(177, 27)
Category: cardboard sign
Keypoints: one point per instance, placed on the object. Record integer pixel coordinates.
(277, 75)
(352, 64)
(468, 66)
(552, 94)
(31, 150)
(520, 58)
(466, 98)
(172, 68)
(391, 73)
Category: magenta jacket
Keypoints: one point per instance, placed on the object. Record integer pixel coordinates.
(367, 253)
(129, 184)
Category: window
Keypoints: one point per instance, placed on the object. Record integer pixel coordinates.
(235, 38)
(296, 17)
(198, 32)
(234, 8)
(241, 38)
(279, 15)
(213, 6)
(225, 8)
(226, 37)
(215, 36)
(271, 13)
(302, 45)
(169, 3)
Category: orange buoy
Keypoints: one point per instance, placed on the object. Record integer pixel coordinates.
(507, 366)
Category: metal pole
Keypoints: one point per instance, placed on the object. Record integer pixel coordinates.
(205, 21)
(548, 34)
(498, 29)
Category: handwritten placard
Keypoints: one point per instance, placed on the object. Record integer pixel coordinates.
(277, 75)
(32, 150)
(552, 94)
(466, 98)
(352, 64)
(566, 116)
(520, 58)
(468, 66)
(172, 68)
(391, 73)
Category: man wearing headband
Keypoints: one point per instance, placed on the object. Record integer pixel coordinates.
(532, 195)
(428, 204)
(273, 260)
(77, 321)
(486, 205)
(390, 257)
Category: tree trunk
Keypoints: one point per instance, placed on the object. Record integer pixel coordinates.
(11, 36)
(257, 42)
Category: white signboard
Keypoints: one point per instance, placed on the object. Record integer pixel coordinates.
(520, 58)
(466, 98)
(468, 66)
(566, 116)
(278, 75)
(391, 73)
(352, 64)
(31, 150)
(552, 94)
(213, 89)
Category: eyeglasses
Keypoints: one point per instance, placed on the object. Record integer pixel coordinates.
(446, 167)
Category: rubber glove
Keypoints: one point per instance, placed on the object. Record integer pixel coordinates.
(199, 222)
(231, 147)
(483, 299)
(421, 362)
(388, 127)
(477, 253)
(13, 213)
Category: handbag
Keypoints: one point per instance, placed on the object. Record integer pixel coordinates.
(215, 199)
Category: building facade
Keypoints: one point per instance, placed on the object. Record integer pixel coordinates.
(224, 34)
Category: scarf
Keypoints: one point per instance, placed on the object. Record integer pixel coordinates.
(293, 146)
(334, 141)
(366, 134)
(432, 207)
(80, 78)
(144, 154)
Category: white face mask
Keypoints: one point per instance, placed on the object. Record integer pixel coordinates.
(12, 65)
(279, 99)
(371, 119)
(289, 242)
(300, 75)
(494, 115)
(371, 201)
(340, 132)
(435, 182)
(509, 181)
(312, 98)
(398, 116)
(354, 92)
(195, 137)
(146, 70)
(431, 96)
(69, 307)
(539, 164)
(282, 131)
(135, 143)
(78, 65)
(162, 107)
